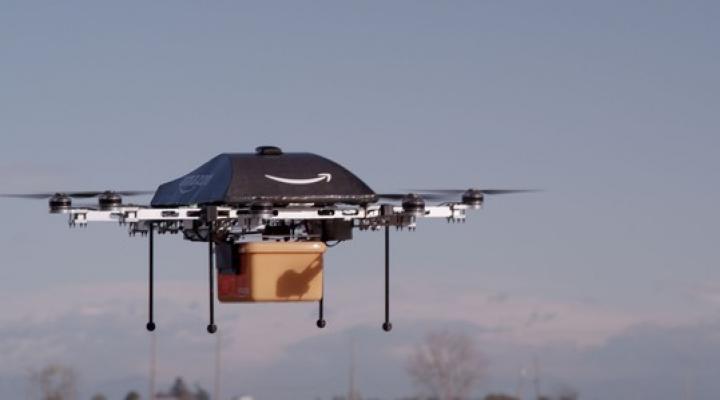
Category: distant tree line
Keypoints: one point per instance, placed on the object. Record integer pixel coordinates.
(447, 366)
(59, 382)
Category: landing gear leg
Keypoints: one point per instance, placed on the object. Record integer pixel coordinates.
(321, 321)
(150, 326)
(387, 326)
(211, 328)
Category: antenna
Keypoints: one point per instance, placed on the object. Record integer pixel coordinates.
(218, 345)
(536, 377)
(351, 380)
(153, 366)
(689, 384)
(519, 390)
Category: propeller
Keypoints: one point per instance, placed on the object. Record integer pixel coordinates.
(451, 194)
(401, 196)
(78, 195)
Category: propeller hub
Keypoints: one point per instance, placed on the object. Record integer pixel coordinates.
(473, 198)
(109, 201)
(59, 203)
(413, 204)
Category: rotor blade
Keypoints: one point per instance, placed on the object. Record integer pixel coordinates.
(400, 196)
(484, 191)
(508, 191)
(79, 195)
(127, 193)
(94, 206)
(448, 194)
(26, 195)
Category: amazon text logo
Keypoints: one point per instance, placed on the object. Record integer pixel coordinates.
(193, 182)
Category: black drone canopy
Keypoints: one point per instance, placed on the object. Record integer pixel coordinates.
(268, 175)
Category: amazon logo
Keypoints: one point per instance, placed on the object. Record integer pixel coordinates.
(324, 176)
(193, 182)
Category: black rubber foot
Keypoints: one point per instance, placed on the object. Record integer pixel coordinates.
(212, 328)
(321, 323)
(150, 326)
(387, 327)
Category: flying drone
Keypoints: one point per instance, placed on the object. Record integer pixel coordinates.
(268, 218)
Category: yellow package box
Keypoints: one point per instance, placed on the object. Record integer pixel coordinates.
(270, 271)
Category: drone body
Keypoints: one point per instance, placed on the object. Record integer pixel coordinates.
(268, 218)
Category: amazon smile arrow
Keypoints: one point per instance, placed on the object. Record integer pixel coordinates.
(324, 176)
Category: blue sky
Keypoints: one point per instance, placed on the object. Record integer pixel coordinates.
(611, 107)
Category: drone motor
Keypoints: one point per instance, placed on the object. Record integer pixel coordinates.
(473, 198)
(109, 201)
(413, 205)
(59, 203)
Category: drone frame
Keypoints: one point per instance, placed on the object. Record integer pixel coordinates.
(236, 224)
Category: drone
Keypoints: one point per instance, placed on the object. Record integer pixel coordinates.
(268, 217)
